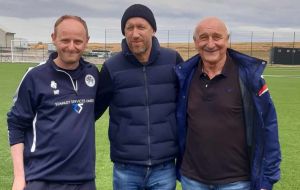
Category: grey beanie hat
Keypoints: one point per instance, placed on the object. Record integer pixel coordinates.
(138, 10)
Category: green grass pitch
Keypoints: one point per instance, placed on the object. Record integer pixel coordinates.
(283, 83)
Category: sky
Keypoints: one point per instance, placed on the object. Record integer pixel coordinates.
(33, 20)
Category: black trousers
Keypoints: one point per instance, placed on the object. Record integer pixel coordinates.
(46, 185)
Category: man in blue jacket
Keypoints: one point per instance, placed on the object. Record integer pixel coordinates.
(139, 85)
(51, 124)
(227, 121)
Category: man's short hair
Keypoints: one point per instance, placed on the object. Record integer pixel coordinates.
(65, 17)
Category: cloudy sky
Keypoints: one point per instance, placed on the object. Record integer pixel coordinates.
(34, 19)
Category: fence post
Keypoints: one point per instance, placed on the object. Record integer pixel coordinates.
(105, 39)
(168, 38)
(271, 50)
(294, 40)
(251, 43)
(230, 39)
(294, 51)
(189, 43)
(45, 51)
(11, 51)
(272, 39)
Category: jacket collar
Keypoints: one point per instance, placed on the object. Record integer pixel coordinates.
(82, 64)
(184, 69)
(252, 64)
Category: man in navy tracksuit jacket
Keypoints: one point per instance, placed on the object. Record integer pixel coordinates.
(51, 124)
(260, 120)
(139, 85)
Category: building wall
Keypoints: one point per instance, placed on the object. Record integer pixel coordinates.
(5, 38)
(2, 38)
(9, 38)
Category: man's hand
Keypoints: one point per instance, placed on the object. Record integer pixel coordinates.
(19, 183)
(18, 163)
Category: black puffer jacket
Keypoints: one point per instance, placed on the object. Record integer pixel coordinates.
(142, 101)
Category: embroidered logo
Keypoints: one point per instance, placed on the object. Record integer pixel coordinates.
(77, 107)
(53, 85)
(89, 80)
(56, 92)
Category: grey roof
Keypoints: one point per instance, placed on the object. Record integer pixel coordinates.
(5, 30)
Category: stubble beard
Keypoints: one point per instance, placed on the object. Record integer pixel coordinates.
(140, 50)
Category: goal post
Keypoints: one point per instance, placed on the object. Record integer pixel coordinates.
(28, 51)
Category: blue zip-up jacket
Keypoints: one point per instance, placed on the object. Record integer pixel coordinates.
(142, 105)
(260, 117)
(53, 115)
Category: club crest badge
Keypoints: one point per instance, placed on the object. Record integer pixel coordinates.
(89, 80)
(53, 85)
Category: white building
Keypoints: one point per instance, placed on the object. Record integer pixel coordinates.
(5, 38)
(20, 43)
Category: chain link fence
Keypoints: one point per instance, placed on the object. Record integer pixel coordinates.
(257, 44)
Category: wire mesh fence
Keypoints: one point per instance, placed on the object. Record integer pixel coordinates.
(257, 44)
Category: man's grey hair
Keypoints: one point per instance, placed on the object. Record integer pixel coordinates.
(195, 34)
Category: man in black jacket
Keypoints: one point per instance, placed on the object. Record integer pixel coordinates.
(139, 86)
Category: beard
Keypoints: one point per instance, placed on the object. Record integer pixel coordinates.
(138, 50)
(139, 47)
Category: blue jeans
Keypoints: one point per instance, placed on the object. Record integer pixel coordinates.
(189, 184)
(136, 177)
